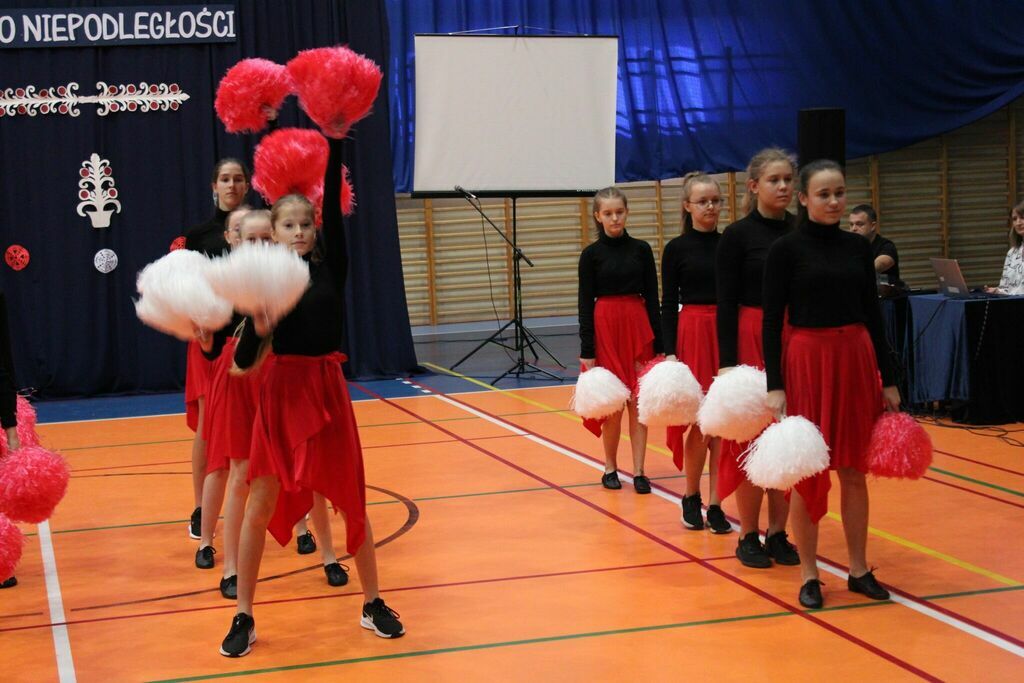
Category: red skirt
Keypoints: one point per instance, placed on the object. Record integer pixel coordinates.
(231, 409)
(749, 351)
(697, 347)
(305, 436)
(623, 341)
(832, 379)
(197, 382)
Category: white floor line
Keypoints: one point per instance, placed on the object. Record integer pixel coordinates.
(61, 642)
(919, 607)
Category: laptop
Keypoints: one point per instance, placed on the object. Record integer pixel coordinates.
(951, 280)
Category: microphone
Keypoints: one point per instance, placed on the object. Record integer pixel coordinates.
(465, 192)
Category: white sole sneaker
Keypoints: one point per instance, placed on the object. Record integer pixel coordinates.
(367, 623)
(248, 648)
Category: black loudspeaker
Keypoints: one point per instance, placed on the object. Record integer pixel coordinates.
(821, 134)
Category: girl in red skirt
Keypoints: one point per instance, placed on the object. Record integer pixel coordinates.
(305, 439)
(619, 326)
(828, 370)
(688, 277)
(739, 271)
(230, 183)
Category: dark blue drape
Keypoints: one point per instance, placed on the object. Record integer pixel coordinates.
(703, 84)
(74, 329)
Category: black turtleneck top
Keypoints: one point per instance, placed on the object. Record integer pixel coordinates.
(687, 277)
(316, 325)
(825, 277)
(208, 237)
(613, 267)
(740, 270)
(8, 385)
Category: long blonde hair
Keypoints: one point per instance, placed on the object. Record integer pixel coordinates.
(756, 167)
(601, 195)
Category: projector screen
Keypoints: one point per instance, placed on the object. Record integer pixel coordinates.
(515, 114)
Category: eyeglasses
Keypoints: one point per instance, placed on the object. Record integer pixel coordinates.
(707, 203)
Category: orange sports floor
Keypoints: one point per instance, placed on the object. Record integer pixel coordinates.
(508, 561)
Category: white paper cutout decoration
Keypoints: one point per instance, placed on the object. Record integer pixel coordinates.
(97, 191)
(111, 99)
(105, 260)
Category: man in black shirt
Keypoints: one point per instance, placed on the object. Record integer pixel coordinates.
(864, 222)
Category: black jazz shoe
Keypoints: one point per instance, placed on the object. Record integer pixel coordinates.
(610, 480)
(305, 544)
(336, 574)
(810, 595)
(867, 585)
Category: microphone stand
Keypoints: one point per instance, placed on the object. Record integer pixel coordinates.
(523, 337)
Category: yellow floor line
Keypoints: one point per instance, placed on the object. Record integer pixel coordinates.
(536, 404)
(906, 543)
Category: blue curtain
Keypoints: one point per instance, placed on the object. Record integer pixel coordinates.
(704, 84)
(74, 330)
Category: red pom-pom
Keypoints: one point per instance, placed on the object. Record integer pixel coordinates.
(348, 195)
(11, 541)
(289, 161)
(32, 481)
(336, 87)
(900, 448)
(247, 90)
(26, 415)
(177, 243)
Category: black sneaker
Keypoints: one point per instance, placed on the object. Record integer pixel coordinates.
(641, 484)
(238, 641)
(229, 587)
(381, 619)
(867, 585)
(610, 480)
(195, 525)
(810, 595)
(717, 521)
(781, 550)
(9, 583)
(337, 574)
(305, 544)
(204, 557)
(691, 512)
(751, 553)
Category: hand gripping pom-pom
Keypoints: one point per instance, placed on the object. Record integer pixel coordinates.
(736, 405)
(785, 453)
(11, 541)
(261, 279)
(598, 394)
(336, 87)
(177, 298)
(900, 448)
(246, 90)
(669, 395)
(289, 161)
(32, 481)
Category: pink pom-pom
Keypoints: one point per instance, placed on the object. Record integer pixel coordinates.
(11, 541)
(247, 90)
(348, 195)
(900, 448)
(289, 161)
(32, 481)
(26, 423)
(336, 87)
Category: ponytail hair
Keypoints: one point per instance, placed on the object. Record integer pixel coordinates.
(756, 167)
(601, 195)
(689, 180)
(810, 170)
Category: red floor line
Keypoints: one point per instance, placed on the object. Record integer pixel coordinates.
(988, 629)
(429, 443)
(977, 493)
(75, 470)
(660, 541)
(310, 598)
(979, 462)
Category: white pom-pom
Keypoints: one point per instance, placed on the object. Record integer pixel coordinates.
(261, 278)
(735, 407)
(785, 453)
(177, 298)
(598, 394)
(669, 395)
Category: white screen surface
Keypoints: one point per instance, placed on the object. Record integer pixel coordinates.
(515, 113)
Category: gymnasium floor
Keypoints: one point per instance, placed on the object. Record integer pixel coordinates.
(508, 561)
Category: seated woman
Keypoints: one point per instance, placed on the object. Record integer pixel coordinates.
(1012, 281)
